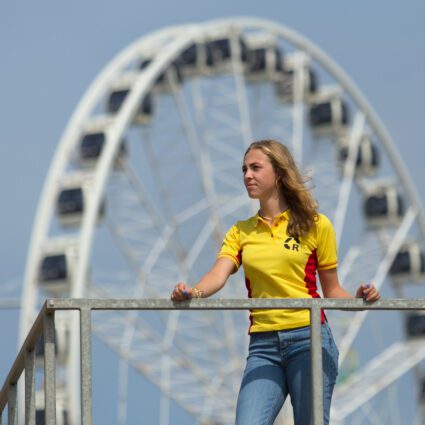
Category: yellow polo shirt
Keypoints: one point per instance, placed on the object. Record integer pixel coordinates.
(279, 266)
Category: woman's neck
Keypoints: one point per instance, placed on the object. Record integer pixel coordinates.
(271, 208)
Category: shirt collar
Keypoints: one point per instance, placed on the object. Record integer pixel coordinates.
(283, 216)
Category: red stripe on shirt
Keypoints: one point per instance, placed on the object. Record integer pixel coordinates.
(248, 288)
(310, 278)
(239, 257)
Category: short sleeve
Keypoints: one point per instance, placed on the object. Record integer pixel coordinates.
(327, 255)
(231, 247)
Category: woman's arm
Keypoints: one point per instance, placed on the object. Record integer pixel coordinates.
(209, 284)
(332, 288)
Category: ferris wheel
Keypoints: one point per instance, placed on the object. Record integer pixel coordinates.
(145, 182)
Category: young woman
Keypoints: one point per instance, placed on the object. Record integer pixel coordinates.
(280, 248)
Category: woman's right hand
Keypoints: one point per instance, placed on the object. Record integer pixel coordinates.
(181, 292)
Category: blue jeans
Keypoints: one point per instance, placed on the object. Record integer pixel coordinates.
(278, 364)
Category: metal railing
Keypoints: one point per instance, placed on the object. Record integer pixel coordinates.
(45, 325)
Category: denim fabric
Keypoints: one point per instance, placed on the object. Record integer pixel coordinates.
(278, 364)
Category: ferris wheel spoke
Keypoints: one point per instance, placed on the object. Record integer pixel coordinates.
(222, 130)
(151, 356)
(141, 194)
(191, 211)
(383, 370)
(123, 372)
(300, 60)
(395, 245)
(145, 348)
(135, 216)
(326, 177)
(370, 414)
(201, 162)
(378, 280)
(223, 109)
(241, 95)
(348, 174)
(167, 210)
(142, 246)
(182, 378)
(359, 265)
(164, 174)
(393, 395)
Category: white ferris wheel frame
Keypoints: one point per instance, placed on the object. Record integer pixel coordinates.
(181, 38)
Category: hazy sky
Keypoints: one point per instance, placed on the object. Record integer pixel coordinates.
(51, 51)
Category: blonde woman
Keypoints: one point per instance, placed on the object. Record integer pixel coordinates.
(281, 249)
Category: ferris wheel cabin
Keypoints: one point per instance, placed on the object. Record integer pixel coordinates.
(54, 274)
(213, 55)
(116, 99)
(170, 78)
(56, 269)
(383, 206)
(284, 85)
(62, 412)
(265, 59)
(415, 325)
(71, 203)
(117, 95)
(329, 116)
(409, 264)
(367, 161)
(91, 146)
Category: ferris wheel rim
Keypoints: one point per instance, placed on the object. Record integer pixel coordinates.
(124, 116)
(81, 110)
(241, 22)
(342, 77)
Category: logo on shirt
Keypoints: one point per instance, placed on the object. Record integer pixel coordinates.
(293, 244)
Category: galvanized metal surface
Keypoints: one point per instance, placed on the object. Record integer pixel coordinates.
(12, 415)
(45, 324)
(233, 304)
(30, 387)
(18, 365)
(49, 368)
(316, 365)
(86, 359)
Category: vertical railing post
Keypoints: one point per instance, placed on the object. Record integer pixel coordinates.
(12, 413)
(316, 364)
(85, 367)
(49, 368)
(30, 387)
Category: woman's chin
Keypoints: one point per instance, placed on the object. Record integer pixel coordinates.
(252, 195)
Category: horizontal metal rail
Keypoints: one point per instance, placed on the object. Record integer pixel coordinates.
(233, 304)
(44, 325)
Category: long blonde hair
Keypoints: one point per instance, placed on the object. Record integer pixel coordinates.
(291, 182)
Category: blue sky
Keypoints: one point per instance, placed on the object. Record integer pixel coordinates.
(51, 51)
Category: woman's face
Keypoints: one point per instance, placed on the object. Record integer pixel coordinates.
(258, 175)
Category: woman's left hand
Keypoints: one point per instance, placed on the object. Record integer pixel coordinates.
(368, 292)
